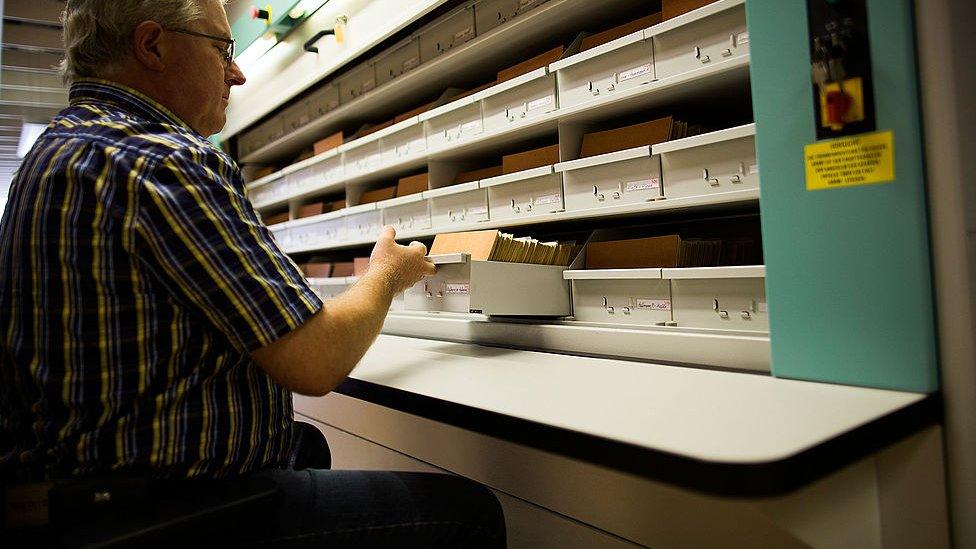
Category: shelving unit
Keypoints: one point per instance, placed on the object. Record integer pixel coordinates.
(656, 388)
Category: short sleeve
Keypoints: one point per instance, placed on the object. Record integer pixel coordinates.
(200, 236)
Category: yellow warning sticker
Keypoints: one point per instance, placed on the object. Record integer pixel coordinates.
(849, 161)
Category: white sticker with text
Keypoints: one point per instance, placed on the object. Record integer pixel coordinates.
(540, 103)
(654, 304)
(475, 210)
(456, 288)
(471, 127)
(642, 185)
(634, 72)
(547, 199)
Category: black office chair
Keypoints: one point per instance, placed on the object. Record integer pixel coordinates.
(220, 513)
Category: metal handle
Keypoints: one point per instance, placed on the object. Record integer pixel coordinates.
(309, 45)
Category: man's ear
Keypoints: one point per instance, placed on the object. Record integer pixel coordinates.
(147, 45)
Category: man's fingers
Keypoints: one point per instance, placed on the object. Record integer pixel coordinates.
(429, 269)
(420, 245)
(388, 232)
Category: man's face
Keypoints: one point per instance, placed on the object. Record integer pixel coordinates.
(203, 76)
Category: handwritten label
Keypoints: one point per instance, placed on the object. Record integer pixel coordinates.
(457, 288)
(654, 304)
(367, 85)
(741, 38)
(540, 103)
(524, 3)
(471, 127)
(410, 63)
(762, 307)
(464, 35)
(642, 185)
(421, 220)
(475, 210)
(753, 169)
(850, 161)
(634, 72)
(547, 199)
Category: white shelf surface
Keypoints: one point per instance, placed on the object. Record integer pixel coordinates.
(708, 415)
(744, 196)
(612, 274)
(709, 138)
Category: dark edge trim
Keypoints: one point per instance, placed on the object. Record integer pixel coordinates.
(722, 479)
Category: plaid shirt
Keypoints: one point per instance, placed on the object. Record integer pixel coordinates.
(135, 279)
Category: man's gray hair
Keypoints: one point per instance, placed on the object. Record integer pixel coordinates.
(98, 34)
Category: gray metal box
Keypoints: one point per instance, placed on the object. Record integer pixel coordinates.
(624, 177)
(519, 99)
(356, 82)
(537, 191)
(700, 38)
(621, 296)
(398, 60)
(490, 287)
(731, 298)
(623, 64)
(450, 31)
(406, 213)
(323, 100)
(716, 162)
(457, 205)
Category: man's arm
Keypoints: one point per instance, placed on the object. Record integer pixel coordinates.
(314, 358)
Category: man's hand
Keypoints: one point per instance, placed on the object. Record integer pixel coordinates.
(399, 266)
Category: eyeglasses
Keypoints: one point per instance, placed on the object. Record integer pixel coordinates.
(228, 54)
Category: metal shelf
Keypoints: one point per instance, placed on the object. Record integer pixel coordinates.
(746, 196)
(495, 48)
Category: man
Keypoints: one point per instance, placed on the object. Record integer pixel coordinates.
(149, 325)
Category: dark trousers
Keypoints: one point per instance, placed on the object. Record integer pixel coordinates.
(324, 508)
(308, 507)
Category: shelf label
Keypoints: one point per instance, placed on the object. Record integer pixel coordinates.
(367, 85)
(540, 103)
(634, 72)
(457, 288)
(410, 63)
(753, 169)
(762, 307)
(471, 127)
(654, 304)
(741, 38)
(547, 199)
(463, 35)
(850, 161)
(421, 219)
(475, 210)
(642, 185)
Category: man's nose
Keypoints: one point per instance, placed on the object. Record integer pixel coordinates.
(235, 76)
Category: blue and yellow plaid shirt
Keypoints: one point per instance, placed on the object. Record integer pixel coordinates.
(135, 279)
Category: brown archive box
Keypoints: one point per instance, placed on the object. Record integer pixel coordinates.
(673, 8)
(337, 205)
(610, 35)
(543, 156)
(475, 175)
(412, 184)
(376, 195)
(477, 243)
(327, 144)
(653, 252)
(628, 137)
(530, 65)
(343, 268)
(315, 208)
(275, 218)
(317, 270)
